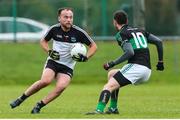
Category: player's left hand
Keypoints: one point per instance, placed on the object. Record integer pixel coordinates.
(108, 65)
(160, 66)
(81, 58)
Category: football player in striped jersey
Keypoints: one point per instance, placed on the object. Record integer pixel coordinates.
(59, 64)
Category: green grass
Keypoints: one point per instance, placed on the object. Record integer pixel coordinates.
(23, 63)
(143, 101)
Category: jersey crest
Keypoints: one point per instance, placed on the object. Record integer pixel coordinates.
(73, 39)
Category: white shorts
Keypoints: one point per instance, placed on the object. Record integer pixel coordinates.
(136, 73)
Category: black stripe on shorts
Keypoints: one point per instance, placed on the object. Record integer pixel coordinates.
(121, 79)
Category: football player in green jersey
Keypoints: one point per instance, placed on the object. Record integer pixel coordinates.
(134, 43)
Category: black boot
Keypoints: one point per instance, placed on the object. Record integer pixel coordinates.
(16, 103)
(37, 108)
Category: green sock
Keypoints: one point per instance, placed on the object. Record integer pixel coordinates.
(103, 100)
(101, 106)
(114, 99)
(113, 103)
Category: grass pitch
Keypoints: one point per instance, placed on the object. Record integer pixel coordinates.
(22, 64)
(142, 101)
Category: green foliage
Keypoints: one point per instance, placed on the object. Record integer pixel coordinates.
(143, 101)
(161, 17)
(23, 63)
(88, 14)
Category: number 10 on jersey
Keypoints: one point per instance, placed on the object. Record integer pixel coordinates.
(140, 40)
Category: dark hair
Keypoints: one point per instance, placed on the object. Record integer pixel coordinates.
(121, 17)
(64, 8)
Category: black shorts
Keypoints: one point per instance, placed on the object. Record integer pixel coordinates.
(59, 68)
(121, 79)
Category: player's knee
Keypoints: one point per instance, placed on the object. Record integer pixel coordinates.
(111, 73)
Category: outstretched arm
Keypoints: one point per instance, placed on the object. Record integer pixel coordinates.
(128, 53)
(156, 41)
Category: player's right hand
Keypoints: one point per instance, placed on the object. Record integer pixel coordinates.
(108, 65)
(54, 54)
(160, 66)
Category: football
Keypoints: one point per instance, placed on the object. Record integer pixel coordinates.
(78, 48)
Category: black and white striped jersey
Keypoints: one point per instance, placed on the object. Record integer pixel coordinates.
(63, 41)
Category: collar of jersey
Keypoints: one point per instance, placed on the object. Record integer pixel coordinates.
(123, 26)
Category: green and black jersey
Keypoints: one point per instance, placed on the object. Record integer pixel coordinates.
(138, 38)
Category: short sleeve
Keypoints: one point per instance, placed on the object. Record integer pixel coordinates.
(85, 38)
(49, 34)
